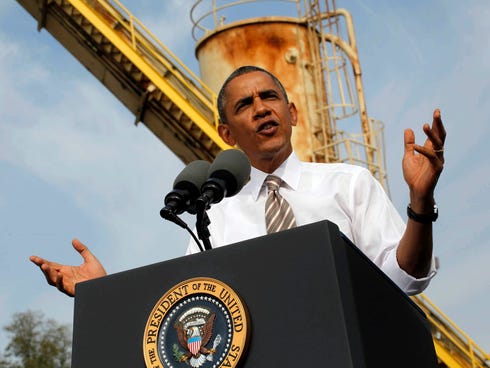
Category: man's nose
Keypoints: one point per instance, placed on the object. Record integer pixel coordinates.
(260, 108)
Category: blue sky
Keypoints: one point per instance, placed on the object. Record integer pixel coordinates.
(72, 164)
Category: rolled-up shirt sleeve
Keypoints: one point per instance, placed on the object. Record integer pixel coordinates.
(377, 230)
(406, 282)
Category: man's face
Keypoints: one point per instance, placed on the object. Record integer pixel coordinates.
(258, 118)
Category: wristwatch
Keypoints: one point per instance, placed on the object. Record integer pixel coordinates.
(425, 218)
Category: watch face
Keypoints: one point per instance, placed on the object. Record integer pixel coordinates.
(435, 214)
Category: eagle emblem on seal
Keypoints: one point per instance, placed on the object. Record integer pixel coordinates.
(194, 331)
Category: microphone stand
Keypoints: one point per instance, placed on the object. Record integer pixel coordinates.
(167, 214)
(202, 222)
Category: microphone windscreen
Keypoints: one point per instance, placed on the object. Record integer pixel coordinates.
(233, 167)
(192, 177)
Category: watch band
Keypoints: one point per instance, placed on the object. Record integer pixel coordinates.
(425, 218)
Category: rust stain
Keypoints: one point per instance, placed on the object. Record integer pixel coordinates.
(265, 44)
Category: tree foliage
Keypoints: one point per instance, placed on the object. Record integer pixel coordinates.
(36, 342)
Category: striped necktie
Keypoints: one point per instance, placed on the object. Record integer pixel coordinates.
(278, 213)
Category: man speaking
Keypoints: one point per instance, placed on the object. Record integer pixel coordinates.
(257, 117)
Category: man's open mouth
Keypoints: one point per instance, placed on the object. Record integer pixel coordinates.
(264, 127)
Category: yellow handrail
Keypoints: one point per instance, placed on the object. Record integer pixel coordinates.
(142, 39)
(448, 331)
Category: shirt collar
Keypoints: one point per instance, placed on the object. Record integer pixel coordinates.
(289, 172)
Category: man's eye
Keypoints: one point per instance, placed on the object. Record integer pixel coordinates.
(269, 96)
(240, 107)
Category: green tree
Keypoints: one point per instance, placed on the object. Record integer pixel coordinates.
(36, 342)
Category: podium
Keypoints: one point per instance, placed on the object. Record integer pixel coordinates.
(314, 300)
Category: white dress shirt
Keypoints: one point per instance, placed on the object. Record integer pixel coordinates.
(346, 195)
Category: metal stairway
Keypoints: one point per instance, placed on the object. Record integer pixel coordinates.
(138, 69)
(179, 109)
(454, 348)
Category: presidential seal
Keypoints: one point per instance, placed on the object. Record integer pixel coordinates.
(200, 322)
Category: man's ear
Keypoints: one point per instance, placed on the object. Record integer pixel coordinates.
(293, 113)
(226, 135)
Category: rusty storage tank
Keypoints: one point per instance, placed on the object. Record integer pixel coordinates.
(278, 44)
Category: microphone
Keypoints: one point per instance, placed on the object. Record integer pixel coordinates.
(186, 189)
(227, 175)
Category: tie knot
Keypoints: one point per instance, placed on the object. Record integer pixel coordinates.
(273, 182)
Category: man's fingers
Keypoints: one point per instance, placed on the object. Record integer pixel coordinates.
(436, 158)
(42, 263)
(63, 277)
(50, 273)
(436, 135)
(83, 250)
(78, 245)
(427, 152)
(49, 269)
(60, 285)
(38, 261)
(409, 141)
(438, 126)
(59, 281)
(436, 114)
(434, 138)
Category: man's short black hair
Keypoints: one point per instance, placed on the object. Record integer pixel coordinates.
(240, 71)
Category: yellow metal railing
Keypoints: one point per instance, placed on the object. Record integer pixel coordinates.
(453, 345)
(143, 41)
